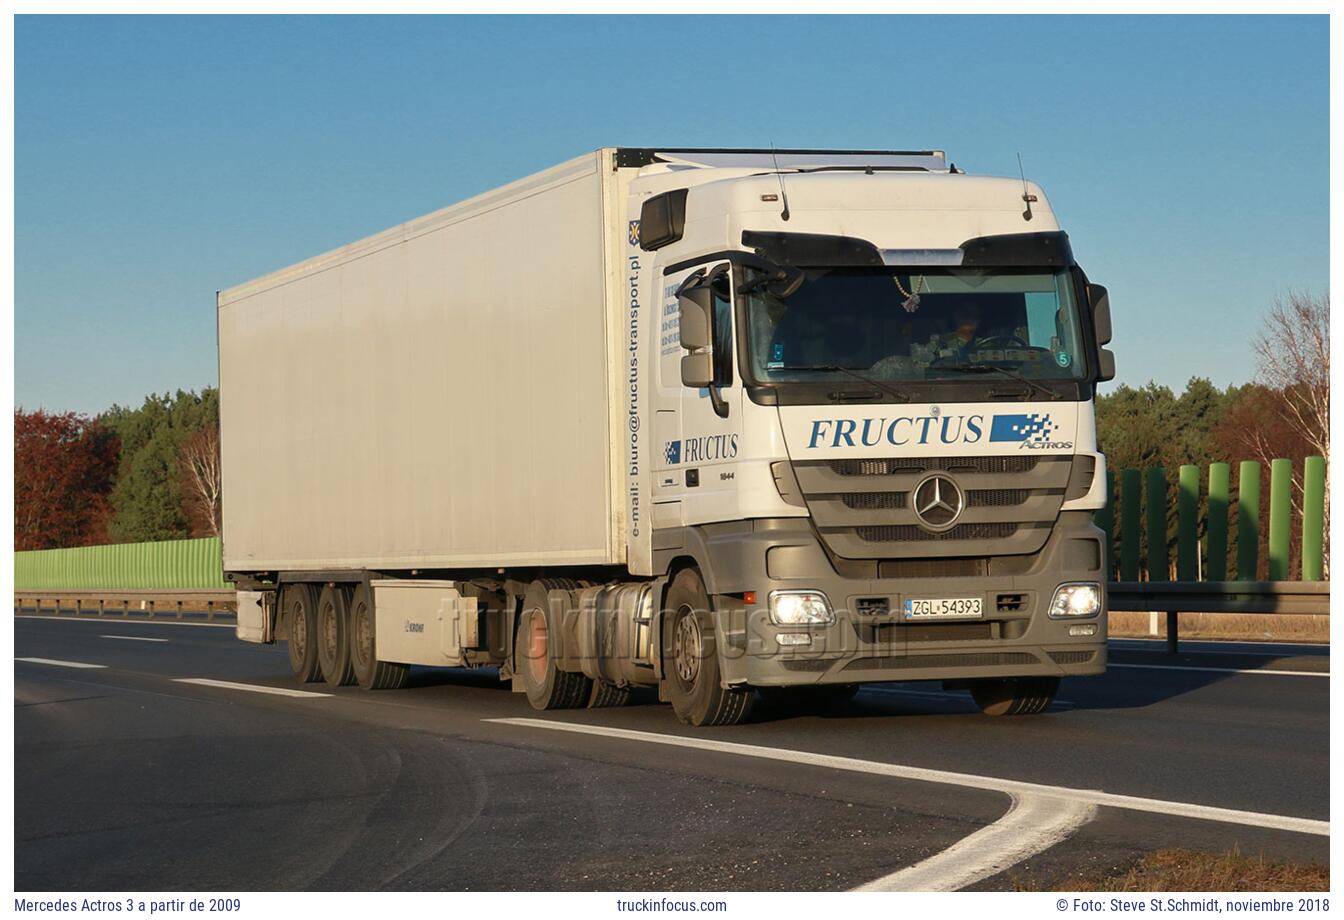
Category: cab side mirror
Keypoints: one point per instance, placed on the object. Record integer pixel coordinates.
(693, 302)
(694, 308)
(1101, 312)
(1105, 365)
(1101, 325)
(697, 369)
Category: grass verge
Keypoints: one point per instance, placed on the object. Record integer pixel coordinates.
(1191, 870)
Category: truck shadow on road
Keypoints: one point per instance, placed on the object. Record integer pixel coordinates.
(1135, 680)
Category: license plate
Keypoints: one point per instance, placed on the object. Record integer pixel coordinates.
(941, 607)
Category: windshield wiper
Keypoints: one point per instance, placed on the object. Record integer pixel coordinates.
(1000, 369)
(892, 391)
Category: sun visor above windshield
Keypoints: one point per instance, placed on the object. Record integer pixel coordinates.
(813, 250)
(1019, 250)
(819, 250)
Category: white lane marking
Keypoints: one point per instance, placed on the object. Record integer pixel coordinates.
(253, 688)
(1032, 825)
(1185, 667)
(134, 638)
(60, 664)
(928, 775)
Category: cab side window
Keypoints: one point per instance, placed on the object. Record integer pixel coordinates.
(722, 321)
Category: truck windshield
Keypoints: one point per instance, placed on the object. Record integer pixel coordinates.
(916, 324)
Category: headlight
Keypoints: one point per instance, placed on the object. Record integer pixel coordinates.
(1080, 599)
(800, 608)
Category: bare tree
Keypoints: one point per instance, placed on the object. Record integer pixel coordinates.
(199, 463)
(1294, 351)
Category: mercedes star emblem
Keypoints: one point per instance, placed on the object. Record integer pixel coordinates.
(938, 502)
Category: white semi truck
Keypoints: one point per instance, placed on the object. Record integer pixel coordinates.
(719, 422)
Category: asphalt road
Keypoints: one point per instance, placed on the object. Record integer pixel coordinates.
(127, 778)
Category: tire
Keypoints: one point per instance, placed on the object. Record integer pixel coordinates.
(1014, 696)
(298, 606)
(536, 653)
(607, 695)
(333, 635)
(370, 673)
(691, 661)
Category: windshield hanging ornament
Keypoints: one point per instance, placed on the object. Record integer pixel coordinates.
(911, 302)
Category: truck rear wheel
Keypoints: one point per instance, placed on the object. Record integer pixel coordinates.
(606, 695)
(298, 606)
(371, 673)
(333, 635)
(536, 652)
(1014, 696)
(691, 660)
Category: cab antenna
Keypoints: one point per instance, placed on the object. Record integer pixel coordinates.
(1028, 198)
(783, 195)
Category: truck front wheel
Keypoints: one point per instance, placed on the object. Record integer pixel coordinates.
(691, 661)
(298, 605)
(1014, 696)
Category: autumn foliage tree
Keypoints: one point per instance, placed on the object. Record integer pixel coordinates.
(64, 467)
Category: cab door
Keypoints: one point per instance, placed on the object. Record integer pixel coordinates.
(705, 467)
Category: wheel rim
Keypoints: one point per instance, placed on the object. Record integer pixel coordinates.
(538, 638)
(299, 631)
(363, 644)
(687, 647)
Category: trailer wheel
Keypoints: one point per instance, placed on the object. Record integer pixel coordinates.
(1014, 696)
(371, 673)
(536, 653)
(298, 606)
(606, 695)
(333, 635)
(691, 661)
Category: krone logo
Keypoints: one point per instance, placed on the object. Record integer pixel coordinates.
(938, 502)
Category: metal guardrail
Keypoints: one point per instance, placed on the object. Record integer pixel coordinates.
(1309, 598)
(159, 604)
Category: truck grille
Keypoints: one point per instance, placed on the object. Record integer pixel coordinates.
(862, 508)
(976, 498)
(896, 532)
(891, 465)
(996, 498)
(868, 501)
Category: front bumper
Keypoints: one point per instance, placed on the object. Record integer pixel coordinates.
(1014, 637)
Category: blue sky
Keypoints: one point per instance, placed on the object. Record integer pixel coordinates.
(160, 159)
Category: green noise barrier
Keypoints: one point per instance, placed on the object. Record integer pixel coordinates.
(167, 564)
(1203, 523)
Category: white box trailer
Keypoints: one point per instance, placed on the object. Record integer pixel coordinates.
(717, 422)
(447, 393)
